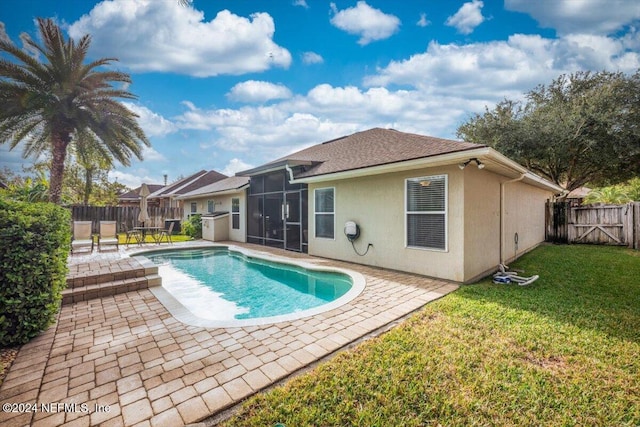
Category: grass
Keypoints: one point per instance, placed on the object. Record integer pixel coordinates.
(563, 351)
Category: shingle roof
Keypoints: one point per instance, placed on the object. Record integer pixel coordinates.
(135, 193)
(368, 148)
(206, 179)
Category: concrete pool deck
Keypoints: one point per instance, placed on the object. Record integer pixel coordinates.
(124, 360)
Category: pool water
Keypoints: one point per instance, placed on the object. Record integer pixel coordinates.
(221, 284)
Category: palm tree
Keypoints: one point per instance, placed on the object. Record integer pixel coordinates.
(51, 104)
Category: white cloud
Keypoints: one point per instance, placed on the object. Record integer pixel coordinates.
(467, 18)
(301, 3)
(258, 91)
(235, 165)
(152, 123)
(363, 20)
(132, 180)
(167, 37)
(312, 58)
(579, 16)
(149, 153)
(423, 21)
(503, 68)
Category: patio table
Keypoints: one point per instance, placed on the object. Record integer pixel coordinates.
(155, 232)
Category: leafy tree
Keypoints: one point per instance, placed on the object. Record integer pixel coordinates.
(582, 128)
(52, 104)
(27, 189)
(612, 195)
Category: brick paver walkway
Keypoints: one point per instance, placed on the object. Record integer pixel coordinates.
(125, 360)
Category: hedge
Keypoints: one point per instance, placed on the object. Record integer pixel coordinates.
(34, 245)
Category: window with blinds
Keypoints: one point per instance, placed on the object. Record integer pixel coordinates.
(324, 212)
(426, 212)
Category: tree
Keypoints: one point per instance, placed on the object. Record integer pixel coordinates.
(582, 128)
(48, 105)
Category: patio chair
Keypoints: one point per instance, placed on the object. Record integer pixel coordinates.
(132, 236)
(108, 235)
(166, 234)
(82, 237)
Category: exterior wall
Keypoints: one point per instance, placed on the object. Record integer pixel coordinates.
(221, 203)
(524, 214)
(377, 204)
(481, 222)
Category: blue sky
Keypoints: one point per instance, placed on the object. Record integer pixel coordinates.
(229, 85)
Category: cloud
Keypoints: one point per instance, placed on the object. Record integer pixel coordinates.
(572, 16)
(235, 165)
(363, 20)
(152, 123)
(301, 3)
(258, 91)
(312, 58)
(132, 180)
(423, 21)
(164, 36)
(504, 68)
(467, 18)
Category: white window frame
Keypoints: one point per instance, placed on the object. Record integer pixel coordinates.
(445, 212)
(333, 213)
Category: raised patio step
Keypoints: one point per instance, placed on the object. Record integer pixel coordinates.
(107, 278)
(85, 293)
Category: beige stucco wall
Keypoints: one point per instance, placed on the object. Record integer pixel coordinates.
(481, 221)
(524, 214)
(377, 204)
(222, 203)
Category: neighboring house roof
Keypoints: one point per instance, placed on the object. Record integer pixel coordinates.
(190, 183)
(228, 185)
(579, 193)
(372, 147)
(377, 151)
(134, 195)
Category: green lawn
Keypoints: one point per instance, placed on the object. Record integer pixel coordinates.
(564, 351)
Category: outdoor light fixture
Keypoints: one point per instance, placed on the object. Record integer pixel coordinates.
(478, 163)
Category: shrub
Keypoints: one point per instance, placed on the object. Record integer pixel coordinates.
(193, 226)
(34, 245)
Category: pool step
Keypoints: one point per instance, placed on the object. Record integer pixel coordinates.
(102, 279)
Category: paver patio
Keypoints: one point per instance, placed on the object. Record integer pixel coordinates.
(124, 360)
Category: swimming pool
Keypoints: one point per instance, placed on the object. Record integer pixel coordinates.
(222, 286)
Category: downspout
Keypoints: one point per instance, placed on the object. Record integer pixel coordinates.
(288, 169)
(502, 213)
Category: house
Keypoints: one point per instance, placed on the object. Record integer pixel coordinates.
(132, 198)
(431, 206)
(168, 196)
(224, 202)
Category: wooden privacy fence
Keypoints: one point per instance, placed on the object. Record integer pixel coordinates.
(126, 217)
(595, 224)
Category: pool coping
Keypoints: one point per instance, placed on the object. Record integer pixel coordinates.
(183, 314)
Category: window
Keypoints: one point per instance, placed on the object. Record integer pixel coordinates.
(324, 212)
(194, 207)
(235, 213)
(210, 206)
(426, 212)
